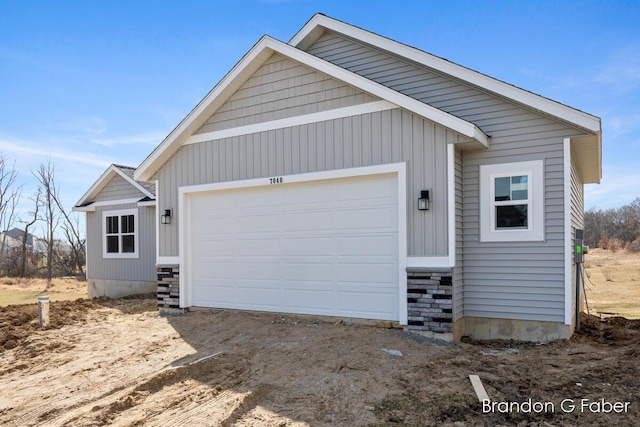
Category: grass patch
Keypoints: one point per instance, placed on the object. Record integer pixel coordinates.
(613, 282)
(17, 296)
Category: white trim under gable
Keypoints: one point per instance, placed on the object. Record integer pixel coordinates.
(338, 113)
(397, 168)
(307, 35)
(252, 61)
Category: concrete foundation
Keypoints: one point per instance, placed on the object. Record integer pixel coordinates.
(119, 288)
(480, 328)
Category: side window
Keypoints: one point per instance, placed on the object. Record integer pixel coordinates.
(512, 202)
(120, 239)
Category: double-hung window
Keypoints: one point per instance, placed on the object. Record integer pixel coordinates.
(512, 202)
(120, 234)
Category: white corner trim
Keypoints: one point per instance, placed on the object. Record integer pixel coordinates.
(451, 203)
(569, 298)
(514, 93)
(338, 113)
(157, 222)
(401, 170)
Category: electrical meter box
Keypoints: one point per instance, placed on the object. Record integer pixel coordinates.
(578, 254)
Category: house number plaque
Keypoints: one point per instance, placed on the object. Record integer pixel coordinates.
(277, 180)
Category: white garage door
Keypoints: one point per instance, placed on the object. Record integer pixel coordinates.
(323, 247)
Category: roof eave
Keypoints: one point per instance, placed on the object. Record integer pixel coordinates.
(319, 23)
(259, 53)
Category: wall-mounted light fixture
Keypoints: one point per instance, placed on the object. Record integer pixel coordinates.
(166, 218)
(423, 201)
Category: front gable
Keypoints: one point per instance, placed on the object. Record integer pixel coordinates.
(115, 185)
(253, 61)
(283, 88)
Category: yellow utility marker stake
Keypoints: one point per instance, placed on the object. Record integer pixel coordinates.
(479, 388)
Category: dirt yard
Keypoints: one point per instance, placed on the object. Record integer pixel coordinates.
(118, 362)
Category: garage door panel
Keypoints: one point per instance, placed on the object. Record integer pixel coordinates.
(367, 245)
(225, 293)
(308, 221)
(324, 247)
(312, 301)
(366, 272)
(257, 246)
(305, 246)
(307, 271)
(356, 304)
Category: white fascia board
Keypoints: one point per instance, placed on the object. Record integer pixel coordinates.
(433, 114)
(556, 109)
(147, 203)
(97, 185)
(92, 206)
(257, 54)
(87, 208)
(260, 52)
(354, 110)
(134, 183)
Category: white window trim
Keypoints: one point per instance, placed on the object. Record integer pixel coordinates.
(136, 234)
(535, 222)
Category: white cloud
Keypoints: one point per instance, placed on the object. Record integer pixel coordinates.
(145, 139)
(20, 149)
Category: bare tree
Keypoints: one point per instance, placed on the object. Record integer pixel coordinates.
(10, 194)
(71, 228)
(50, 213)
(28, 222)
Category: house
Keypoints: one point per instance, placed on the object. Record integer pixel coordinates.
(121, 234)
(346, 174)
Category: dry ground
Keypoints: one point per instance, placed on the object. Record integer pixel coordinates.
(118, 362)
(613, 282)
(25, 291)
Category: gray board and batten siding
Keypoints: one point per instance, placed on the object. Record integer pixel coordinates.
(501, 280)
(383, 137)
(118, 188)
(126, 269)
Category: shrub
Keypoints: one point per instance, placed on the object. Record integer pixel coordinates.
(634, 246)
(614, 245)
(602, 243)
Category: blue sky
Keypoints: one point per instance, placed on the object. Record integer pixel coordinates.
(91, 83)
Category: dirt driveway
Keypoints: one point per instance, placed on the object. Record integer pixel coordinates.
(120, 363)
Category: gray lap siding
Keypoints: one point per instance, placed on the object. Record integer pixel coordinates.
(497, 280)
